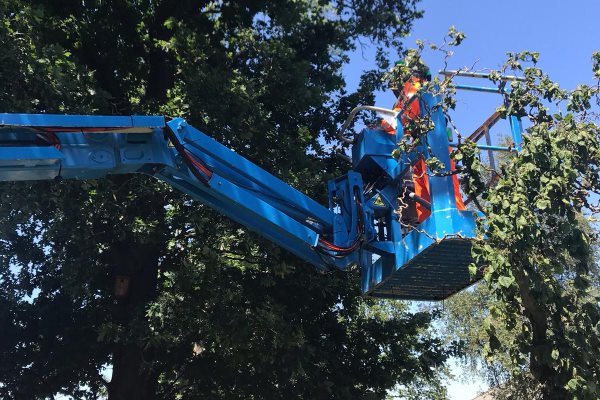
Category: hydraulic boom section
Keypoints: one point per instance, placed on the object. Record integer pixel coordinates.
(369, 221)
(35, 147)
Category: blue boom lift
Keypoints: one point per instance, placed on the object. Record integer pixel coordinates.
(363, 224)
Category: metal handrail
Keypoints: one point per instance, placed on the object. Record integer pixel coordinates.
(480, 75)
(353, 114)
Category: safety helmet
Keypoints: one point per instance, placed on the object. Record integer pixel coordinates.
(428, 75)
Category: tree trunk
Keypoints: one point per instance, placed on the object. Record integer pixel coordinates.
(538, 318)
(133, 377)
(130, 379)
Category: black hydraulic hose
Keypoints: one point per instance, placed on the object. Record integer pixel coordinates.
(194, 166)
(420, 200)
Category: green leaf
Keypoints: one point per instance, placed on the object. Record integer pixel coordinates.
(472, 270)
(542, 204)
(506, 281)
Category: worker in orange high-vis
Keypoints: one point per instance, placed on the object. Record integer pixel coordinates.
(404, 94)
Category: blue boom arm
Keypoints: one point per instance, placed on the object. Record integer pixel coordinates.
(368, 221)
(37, 147)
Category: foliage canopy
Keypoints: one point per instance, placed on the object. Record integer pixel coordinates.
(536, 242)
(211, 309)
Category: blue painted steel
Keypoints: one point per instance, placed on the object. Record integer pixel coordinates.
(238, 169)
(238, 188)
(412, 263)
(29, 156)
(515, 128)
(422, 268)
(241, 206)
(371, 143)
(367, 206)
(31, 163)
(492, 148)
(372, 151)
(478, 88)
(441, 188)
(431, 261)
(87, 156)
(344, 193)
(83, 121)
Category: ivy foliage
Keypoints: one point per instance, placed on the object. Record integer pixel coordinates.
(536, 242)
(537, 258)
(542, 321)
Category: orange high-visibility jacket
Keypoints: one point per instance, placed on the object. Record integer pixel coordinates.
(419, 171)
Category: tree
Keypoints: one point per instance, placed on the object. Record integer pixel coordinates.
(535, 253)
(203, 307)
(464, 319)
(538, 259)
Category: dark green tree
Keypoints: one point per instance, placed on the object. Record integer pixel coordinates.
(210, 310)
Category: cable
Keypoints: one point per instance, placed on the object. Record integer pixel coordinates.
(41, 138)
(359, 229)
(51, 138)
(201, 167)
(195, 167)
(261, 191)
(329, 264)
(340, 249)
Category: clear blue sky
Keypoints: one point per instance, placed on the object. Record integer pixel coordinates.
(563, 32)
